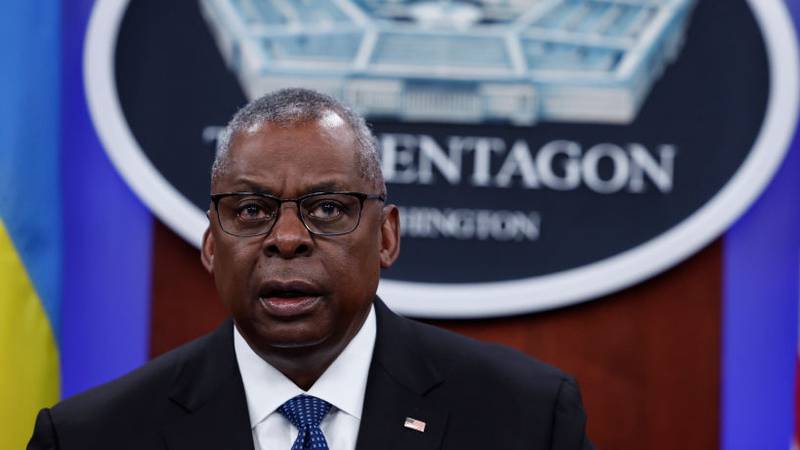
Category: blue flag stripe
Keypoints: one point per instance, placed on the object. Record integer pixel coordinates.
(29, 133)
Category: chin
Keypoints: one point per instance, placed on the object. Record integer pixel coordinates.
(300, 340)
(291, 336)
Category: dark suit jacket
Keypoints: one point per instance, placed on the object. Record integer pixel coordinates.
(471, 395)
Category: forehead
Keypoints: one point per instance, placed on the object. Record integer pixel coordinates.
(296, 157)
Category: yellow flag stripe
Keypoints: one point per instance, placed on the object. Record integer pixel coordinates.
(29, 371)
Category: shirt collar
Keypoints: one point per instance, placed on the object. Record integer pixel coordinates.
(342, 385)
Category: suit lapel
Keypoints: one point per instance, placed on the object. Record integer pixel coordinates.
(209, 388)
(399, 379)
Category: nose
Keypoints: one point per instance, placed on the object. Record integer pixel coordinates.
(288, 238)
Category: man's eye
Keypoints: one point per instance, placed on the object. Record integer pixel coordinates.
(252, 211)
(326, 210)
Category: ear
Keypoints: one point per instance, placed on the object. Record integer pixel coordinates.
(390, 236)
(207, 250)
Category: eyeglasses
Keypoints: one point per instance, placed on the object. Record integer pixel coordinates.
(246, 214)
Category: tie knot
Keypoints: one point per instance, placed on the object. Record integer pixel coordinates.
(305, 411)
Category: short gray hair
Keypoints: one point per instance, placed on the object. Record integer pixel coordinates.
(293, 105)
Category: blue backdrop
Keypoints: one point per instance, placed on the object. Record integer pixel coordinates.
(108, 239)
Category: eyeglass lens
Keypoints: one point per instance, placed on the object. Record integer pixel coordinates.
(250, 215)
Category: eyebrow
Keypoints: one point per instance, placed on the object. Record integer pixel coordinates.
(249, 186)
(324, 186)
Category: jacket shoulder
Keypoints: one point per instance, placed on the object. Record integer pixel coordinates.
(134, 403)
(502, 389)
(497, 365)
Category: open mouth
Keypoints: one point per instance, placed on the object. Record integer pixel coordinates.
(289, 299)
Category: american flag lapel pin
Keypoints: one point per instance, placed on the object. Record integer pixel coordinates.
(415, 424)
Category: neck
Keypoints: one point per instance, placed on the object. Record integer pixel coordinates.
(300, 366)
(303, 364)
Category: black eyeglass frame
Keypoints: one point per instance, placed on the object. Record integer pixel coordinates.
(361, 196)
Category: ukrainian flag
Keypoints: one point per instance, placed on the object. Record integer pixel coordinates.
(30, 214)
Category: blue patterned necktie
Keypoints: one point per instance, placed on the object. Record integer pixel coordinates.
(306, 412)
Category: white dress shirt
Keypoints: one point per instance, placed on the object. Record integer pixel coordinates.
(342, 385)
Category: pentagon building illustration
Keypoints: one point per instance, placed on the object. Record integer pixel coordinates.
(517, 61)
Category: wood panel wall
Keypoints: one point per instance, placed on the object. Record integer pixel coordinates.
(647, 358)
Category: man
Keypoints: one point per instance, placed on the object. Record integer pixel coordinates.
(299, 231)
